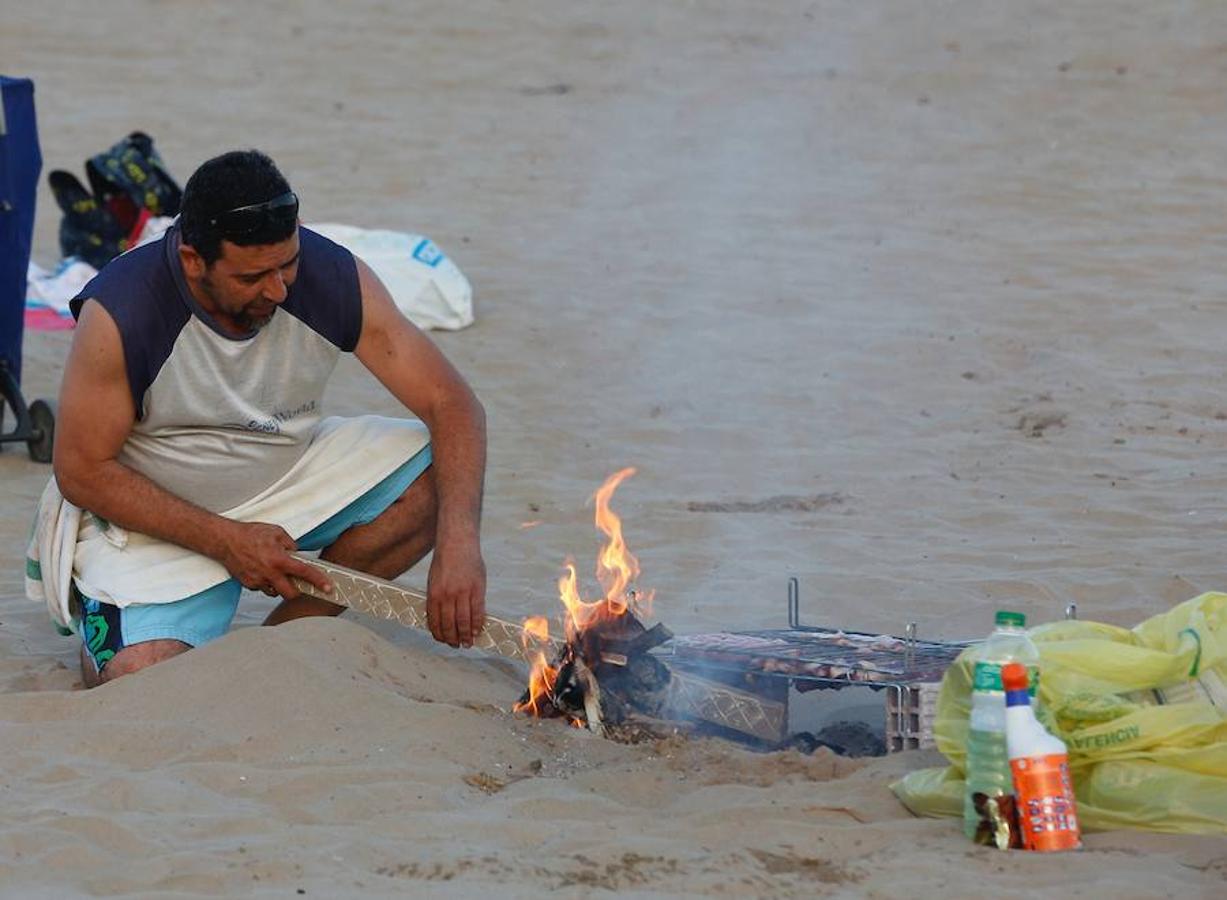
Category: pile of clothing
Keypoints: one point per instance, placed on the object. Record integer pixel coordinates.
(132, 199)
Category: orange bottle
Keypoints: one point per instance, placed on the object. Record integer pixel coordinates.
(1045, 795)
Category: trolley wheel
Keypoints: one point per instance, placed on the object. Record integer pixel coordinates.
(42, 419)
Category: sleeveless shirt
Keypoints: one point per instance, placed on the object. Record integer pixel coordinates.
(220, 418)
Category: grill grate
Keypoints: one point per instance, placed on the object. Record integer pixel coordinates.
(820, 655)
(905, 673)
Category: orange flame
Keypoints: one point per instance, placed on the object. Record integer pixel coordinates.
(536, 628)
(616, 566)
(540, 685)
(616, 569)
(542, 675)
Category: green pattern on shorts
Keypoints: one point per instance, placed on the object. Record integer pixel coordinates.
(96, 630)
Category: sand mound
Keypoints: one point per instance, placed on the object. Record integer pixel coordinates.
(319, 756)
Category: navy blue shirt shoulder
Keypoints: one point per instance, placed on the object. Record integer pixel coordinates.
(147, 296)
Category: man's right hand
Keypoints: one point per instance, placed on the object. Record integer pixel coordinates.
(258, 555)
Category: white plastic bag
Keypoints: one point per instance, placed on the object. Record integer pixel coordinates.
(426, 285)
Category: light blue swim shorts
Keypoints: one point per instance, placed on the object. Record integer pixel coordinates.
(195, 620)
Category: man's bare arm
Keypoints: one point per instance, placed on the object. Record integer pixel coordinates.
(96, 414)
(409, 365)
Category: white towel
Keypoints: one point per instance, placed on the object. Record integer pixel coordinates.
(54, 289)
(49, 555)
(346, 458)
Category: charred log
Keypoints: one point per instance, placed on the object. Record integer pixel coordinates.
(606, 675)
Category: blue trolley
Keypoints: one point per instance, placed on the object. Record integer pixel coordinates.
(20, 163)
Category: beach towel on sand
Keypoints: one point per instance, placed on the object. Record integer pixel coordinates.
(71, 548)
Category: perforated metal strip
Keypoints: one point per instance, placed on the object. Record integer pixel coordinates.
(385, 600)
(693, 697)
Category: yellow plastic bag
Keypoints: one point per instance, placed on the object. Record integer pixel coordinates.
(1143, 712)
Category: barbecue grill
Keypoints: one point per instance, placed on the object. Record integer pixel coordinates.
(810, 669)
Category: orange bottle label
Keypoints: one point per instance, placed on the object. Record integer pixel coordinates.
(1046, 810)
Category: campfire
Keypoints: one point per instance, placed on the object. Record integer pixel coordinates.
(603, 673)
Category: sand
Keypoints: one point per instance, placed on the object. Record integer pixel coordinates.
(916, 302)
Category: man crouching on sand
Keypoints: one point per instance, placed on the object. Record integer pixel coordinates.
(190, 429)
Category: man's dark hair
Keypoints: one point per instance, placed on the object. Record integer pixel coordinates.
(234, 179)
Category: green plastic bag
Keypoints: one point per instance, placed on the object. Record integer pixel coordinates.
(1143, 712)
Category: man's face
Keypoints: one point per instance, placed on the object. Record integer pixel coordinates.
(245, 285)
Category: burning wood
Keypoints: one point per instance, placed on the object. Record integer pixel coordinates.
(603, 673)
(603, 677)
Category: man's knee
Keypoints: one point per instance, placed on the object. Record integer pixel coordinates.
(131, 659)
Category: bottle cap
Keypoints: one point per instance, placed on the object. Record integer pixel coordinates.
(1014, 676)
(1006, 617)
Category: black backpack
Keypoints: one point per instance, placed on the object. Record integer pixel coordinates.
(128, 184)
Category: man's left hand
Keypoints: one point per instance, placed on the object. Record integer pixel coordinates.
(456, 594)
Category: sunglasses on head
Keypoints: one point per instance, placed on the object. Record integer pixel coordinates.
(243, 220)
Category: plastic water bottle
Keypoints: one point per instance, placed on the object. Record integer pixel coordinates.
(1047, 816)
(988, 763)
